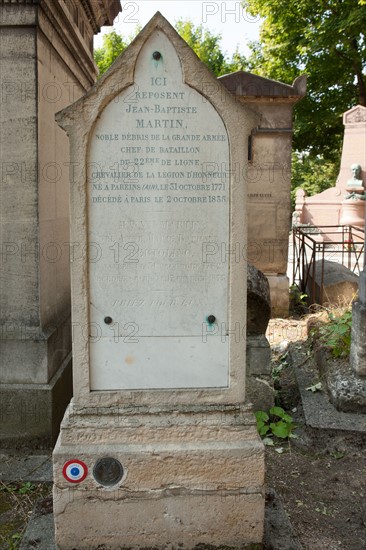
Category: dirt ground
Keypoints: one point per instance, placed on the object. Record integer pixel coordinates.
(17, 501)
(321, 478)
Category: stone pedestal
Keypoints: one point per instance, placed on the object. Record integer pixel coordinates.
(353, 213)
(191, 476)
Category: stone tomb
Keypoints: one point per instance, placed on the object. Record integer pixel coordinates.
(335, 206)
(158, 446)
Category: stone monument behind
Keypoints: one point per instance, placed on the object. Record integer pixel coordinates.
(267, 166)
(343, 204)
(46, 60)
(158, 446)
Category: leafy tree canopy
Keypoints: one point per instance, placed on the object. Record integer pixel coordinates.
(326, 40)
(204, 43)
(313, 174)
(113, 45)
(207, 46)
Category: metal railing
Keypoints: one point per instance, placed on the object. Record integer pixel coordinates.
(314, 245)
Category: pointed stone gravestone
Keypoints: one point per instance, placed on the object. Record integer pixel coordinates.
(158, 447)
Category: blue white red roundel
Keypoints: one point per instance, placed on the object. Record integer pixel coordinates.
(75, 471)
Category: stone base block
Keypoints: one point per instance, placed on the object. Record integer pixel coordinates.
(190, 478)
(279, 289)
(179, 521)
(31, 414)
(258, 355)
(260, 392)
(259, 382)
(358, 339)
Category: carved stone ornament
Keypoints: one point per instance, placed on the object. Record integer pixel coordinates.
(355, 115)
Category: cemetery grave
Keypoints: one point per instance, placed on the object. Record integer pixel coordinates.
(159, 445)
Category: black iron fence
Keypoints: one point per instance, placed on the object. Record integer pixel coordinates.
(313, 246)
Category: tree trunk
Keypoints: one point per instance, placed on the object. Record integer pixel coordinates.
(361, 85)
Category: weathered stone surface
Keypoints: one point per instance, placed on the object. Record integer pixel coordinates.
(337, 284)
(362, 287)
(268, 167)
(186, 440)
(170, 459)
(259, 301)
(46, 63)
(319, 412)
(358, 339)
(78, 121)
(259, 390)
(279, 289)
(31, 414)
(185, 521)
(346, 390)
(279, 534)
(258, 355)
(35, 468)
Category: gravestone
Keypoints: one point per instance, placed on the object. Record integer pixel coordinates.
(158, 446)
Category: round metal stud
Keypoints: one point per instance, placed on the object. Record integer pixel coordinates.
(108, 471)
(108, 320)
(157, 56)
(211, 319)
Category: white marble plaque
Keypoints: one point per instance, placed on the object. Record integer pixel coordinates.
(158, 219)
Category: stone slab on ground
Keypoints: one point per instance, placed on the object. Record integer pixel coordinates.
(40, 532)
(347, 391)
(33, 468)
(278, 531)
(334, 283)
(318, 411)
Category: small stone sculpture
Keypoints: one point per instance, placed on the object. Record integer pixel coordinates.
(354, 187)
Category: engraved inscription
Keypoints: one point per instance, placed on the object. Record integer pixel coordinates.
(158, 192)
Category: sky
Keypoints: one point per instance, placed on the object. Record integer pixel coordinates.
(228, 18)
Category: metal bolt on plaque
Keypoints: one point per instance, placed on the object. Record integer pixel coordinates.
(108, 471)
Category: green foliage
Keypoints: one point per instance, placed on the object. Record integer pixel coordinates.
(26, 488)
(113, 46)
(23, 488)
(337, 454)
(336, 334)
(298, 299)
(325, 40)
(205, 44)
(312, 174)
(17, 500)
(276, 422)
(14, 541)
